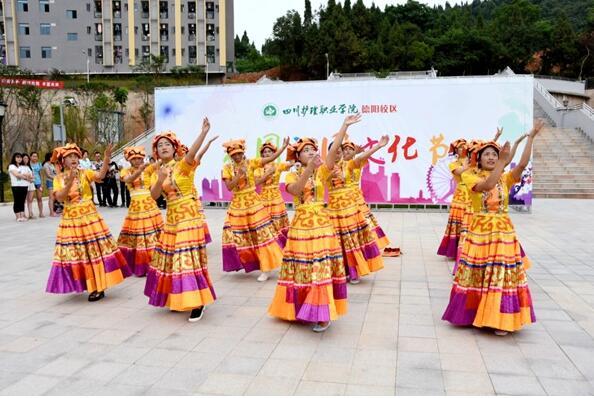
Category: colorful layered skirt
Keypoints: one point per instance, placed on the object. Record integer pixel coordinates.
(275, 205)
(86, 256)
(178, 276)
(140, 232)
(207, 236)
(451, 237)
(249, 238)
(359, 248)
(312, 281)
(382, 239)
(490, 287)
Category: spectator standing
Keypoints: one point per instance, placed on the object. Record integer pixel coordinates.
(36, 167)
(19, 183)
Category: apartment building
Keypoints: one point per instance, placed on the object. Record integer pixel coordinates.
(113, 36)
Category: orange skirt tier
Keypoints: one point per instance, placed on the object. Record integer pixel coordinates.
(490, 286)
(451, 237)
(178, 276)
(207, 236)
(382, 239)
(275, 205)
(360, 250)
(249, 238)
(86, 256)
(140, 232)
(312, 282)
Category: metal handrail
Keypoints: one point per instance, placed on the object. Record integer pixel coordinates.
(587, 110)
(548, 96)
(133, 141)
(558, 78)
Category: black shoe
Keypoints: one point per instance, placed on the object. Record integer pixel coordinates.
(96, 296)
(196, 314)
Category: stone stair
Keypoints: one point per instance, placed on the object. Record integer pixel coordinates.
(563, 164)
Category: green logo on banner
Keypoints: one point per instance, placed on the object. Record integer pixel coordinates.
(270, 111)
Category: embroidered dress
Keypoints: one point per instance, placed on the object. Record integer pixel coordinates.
(359, 248)
(312, 281)
(142, 225)
(451, 237)
(272, 199)
(354, 180)
(86, 256)
(178, 276)
(249, 238)
(490, 287)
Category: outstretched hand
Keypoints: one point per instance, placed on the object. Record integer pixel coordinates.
(108, 151)
(352, 119)
(205, 125)
(538, 125)
(505, 153)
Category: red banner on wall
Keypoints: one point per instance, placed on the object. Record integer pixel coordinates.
(19, 82)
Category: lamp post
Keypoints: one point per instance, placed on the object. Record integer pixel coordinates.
(2, 111)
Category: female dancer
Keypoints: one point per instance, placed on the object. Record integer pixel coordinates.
(86, 255)
(360, 251)
(144, 222)
(268, 178)
(490, 287)
(449, 243)
(349, 151)
(249, 238)
(312, 281)
(178, 275)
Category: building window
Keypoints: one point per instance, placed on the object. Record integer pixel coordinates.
(117, 9)
(46, 52)
(144, 5)
(135, 30)
(98, 8)
(43, 5)
(192, 31)
(210, 10)
(165, 53)
(23, 5)
(98, 31)
(98, 54)
(210, 32)
(89, 7)
(117, 55)
(71, 14)
(210, 54)
(88, 30)
(191, 9)
(146, 31)
(136, 52)
(25, 52)
(164, 32)
(117, 32)
(146, 53)
(45, 29)
(127, 52)
(192, 54)
(163, 10)
(24, 29)
(89, 52)
(72, 36)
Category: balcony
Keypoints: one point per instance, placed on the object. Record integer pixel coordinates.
(98, 36)
(117, 37)
(192, 15)
(164, 37)
(210, 37)
(117, 14)
(98, 14)
(144, 14)
(192, 37)
(117, 59)
(163, 15)
(146, 37)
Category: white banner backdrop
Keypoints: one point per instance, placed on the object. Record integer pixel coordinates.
(421, 117)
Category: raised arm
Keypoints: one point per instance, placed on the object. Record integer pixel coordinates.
(100, 174)
(363, 157)
(232, 183)
(296, 189)
(519, 169)
(203, 150)
(278, 152)
(260, 180)
(132, 177)
(465, 166)
(489, 183)
(62, 194)
(189, 158)
(498, 134)
(515, 147)
(331, 156)
(162, 173)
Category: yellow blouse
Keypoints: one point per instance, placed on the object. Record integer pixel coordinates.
(274, 179)
(246, 182)
(494, 201)
(313, 192)
(81, 188)
(180, 181)
(143, 182)
(456, 164)
(353, 171)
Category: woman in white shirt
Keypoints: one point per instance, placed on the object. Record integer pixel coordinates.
(25, 168)
(19, 181)
(49, 172)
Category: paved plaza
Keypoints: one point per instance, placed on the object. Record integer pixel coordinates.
(392, 341)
